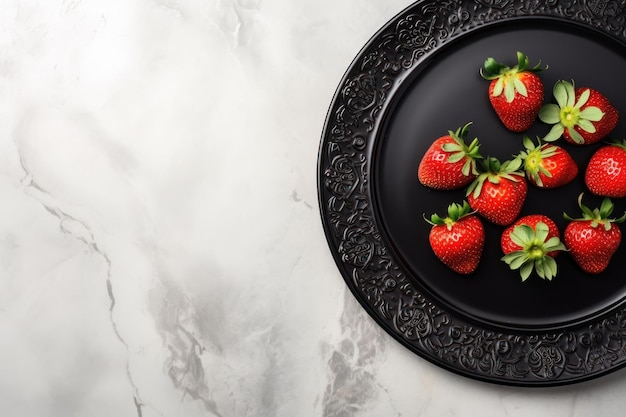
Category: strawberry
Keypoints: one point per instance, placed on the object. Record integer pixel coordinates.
(593, 239)
(530, 244)
(606, 171)
(458, 239)
(582, 115)
(516, 94)
(547, 165)
(498, 194)
(449, 163)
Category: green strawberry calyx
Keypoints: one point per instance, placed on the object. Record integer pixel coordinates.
(568, 113)
(460, 150)
(507, 80)
(619, 143)
(455, 213)
(598, 216)
(494, 172)
(533, 157)
(534, 253)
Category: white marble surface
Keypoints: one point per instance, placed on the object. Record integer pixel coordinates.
(161, 251)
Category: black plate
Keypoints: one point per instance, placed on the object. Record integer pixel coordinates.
(416, 79)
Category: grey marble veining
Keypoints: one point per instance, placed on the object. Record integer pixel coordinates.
(161, 251)
(353, 360)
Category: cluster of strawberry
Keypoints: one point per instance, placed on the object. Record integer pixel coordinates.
(496, 191)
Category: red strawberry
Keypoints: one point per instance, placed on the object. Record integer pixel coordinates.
(530, 244)
(546, 165)
(458, 239)
(593, 239)
(606, 171)
(582, 115)
(499, 193)
(449, 163)
(516, 94)
(508, 245)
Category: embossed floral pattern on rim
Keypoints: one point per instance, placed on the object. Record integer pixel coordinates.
(577, 353)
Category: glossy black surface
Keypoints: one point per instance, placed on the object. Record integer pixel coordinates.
(445, 94)
(414, 80)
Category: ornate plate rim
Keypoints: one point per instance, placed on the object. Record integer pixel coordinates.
(576, 353)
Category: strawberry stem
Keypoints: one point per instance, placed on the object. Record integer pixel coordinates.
(494, 171)
(598, 216)
(534, 253)
(568, 113)
(507, 80)
(533, 158)
(459, 150)
(455, 213)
